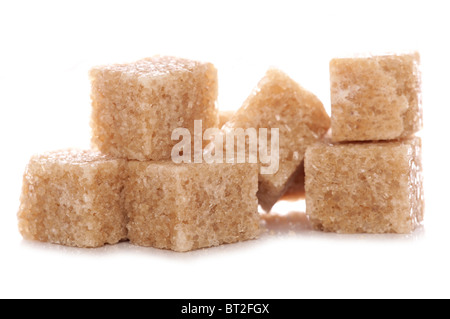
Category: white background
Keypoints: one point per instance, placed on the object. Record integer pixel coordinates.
(46, 51)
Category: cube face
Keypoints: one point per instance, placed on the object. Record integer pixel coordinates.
(365, 187)
(74, 199)
(375, 98)
(279, 102)
(136, 106)
(187, 207)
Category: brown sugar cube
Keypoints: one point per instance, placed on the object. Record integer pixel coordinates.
(297, 189)
(73, 198)
(225, 116)
(375, 98)
(183, 207)
(136, 106)
(365, 187)
(279, 102)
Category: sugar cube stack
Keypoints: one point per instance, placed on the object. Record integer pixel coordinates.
(364, 178)
(373, 182)
(132, 190)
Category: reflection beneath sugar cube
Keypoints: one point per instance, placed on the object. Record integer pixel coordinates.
(289, 219)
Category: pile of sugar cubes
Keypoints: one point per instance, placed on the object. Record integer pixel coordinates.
(363, 177)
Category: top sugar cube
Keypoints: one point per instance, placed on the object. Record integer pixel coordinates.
(375, 98)
(136, 106)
